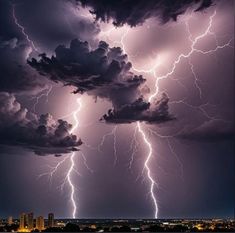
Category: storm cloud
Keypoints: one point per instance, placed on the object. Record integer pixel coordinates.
(43, 135)
(136, 12)
(16, 75)
(139, 110)
(89, 70)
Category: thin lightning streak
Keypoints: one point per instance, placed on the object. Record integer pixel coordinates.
(53, 169)
(177, 158)
(46, 94)
(111, 133)
(85, 163)
(200, 108)
(196, 80)
(22, 29)
(104, 138)
(167, 138)
(133, 148)
(115, 147)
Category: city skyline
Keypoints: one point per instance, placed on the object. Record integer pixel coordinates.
(116, 111)
(149, 225)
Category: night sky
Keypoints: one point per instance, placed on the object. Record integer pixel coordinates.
(127, 102)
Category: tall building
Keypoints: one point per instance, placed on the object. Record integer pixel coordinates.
(26, 221)
(50, 220)
(10, 220)
(30, 221)
(40, 223)
(22, 221)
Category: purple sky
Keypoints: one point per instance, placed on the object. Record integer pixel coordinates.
(192, 161)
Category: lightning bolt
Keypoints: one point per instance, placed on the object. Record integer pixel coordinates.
(53, 169)
(111, 133)
(138, 126)
(22, 29)
(72, 166)
(152, 71)
(46, 94)
(193, 50)
(142, 133)
(167, 138)
(133, 148)
(146, 166)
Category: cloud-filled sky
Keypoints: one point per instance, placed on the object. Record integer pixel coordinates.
(83, 80)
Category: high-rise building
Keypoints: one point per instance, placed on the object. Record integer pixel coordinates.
(50, 220)
(30, 222)
(22, 221)
(40, 223)
(10, 220)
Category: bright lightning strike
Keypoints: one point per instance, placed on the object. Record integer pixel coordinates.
(146, 166)
(71, 159)
(22, 29)
(152, 71)
(71, 185)
(142, 133)
(138, 126)
(69, 178)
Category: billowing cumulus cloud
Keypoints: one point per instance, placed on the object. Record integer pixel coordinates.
(43, 134)
(103, 72)
(16, 75)
(136, 12)
(140, 110)
(210, 131)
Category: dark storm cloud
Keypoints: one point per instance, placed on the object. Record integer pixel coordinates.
(210, 131)
(136, 12)
(103, 72)
(16, 75)
(139, 110)
(43, 134)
